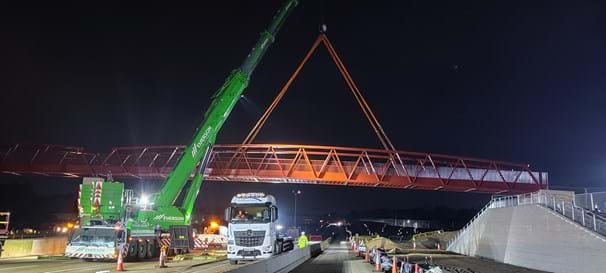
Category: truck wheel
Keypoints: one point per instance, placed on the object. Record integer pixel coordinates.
(131, 254)
(233, 262)
(142, 250)
(151, 246)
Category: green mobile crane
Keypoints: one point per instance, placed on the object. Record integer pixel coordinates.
(113, 219)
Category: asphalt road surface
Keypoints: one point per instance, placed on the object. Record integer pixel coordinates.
(77, 266)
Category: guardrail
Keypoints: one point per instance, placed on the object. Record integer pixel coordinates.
(556, 202)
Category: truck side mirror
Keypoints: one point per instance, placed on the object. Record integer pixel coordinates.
(227, 214)
(274, 213)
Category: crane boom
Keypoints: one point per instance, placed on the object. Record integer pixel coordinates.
(223, 101)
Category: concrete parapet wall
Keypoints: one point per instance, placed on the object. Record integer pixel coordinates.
(325, 244)
(30, 247)
(534, 237)
(282, 263)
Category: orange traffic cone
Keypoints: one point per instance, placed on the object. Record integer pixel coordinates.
(120, 264)
(377, 261)
(417, 268)
(394, 266)
(366, 260)
(438, 246)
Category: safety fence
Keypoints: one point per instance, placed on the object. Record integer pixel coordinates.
(591, 201)
(590, 219)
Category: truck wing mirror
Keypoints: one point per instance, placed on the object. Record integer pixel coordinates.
(275, 213)
(227, 214)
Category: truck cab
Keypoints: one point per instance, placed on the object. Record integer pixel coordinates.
(252, 232)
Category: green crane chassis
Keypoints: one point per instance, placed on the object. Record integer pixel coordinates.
(103, 232)
(104, 241)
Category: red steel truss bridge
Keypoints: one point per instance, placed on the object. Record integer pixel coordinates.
(275, 163)
(288, 163)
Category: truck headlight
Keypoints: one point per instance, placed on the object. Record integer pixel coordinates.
(267, 248)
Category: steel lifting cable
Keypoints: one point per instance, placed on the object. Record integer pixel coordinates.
(359, 97)
(255, 130)
(366, 109)
(387, 144)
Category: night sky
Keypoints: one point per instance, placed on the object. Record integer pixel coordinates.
(513, 81)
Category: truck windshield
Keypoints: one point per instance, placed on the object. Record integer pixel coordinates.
(255, 214)
(93, 237)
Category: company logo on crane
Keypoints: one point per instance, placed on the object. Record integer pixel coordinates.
(194, 149)
(163, 217)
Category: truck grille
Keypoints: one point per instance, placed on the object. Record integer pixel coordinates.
(249, 238)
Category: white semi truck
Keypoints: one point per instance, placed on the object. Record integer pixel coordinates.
(252, 231)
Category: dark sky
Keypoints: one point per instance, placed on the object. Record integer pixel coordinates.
(519, 81)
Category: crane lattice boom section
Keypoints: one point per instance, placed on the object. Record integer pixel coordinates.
(280, 163)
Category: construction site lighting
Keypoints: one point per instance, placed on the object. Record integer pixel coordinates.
(214, 225)
(144, 201)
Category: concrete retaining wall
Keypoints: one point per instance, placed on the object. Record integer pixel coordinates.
(534, 237)
(30, 247)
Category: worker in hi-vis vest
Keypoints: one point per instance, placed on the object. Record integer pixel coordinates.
(302, 240)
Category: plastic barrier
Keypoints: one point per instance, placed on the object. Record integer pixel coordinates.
(29, 247)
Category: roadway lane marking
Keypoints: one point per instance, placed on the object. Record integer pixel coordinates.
(78, 268)
(16, 267)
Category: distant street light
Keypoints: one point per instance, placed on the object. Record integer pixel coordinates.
(296, 193)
